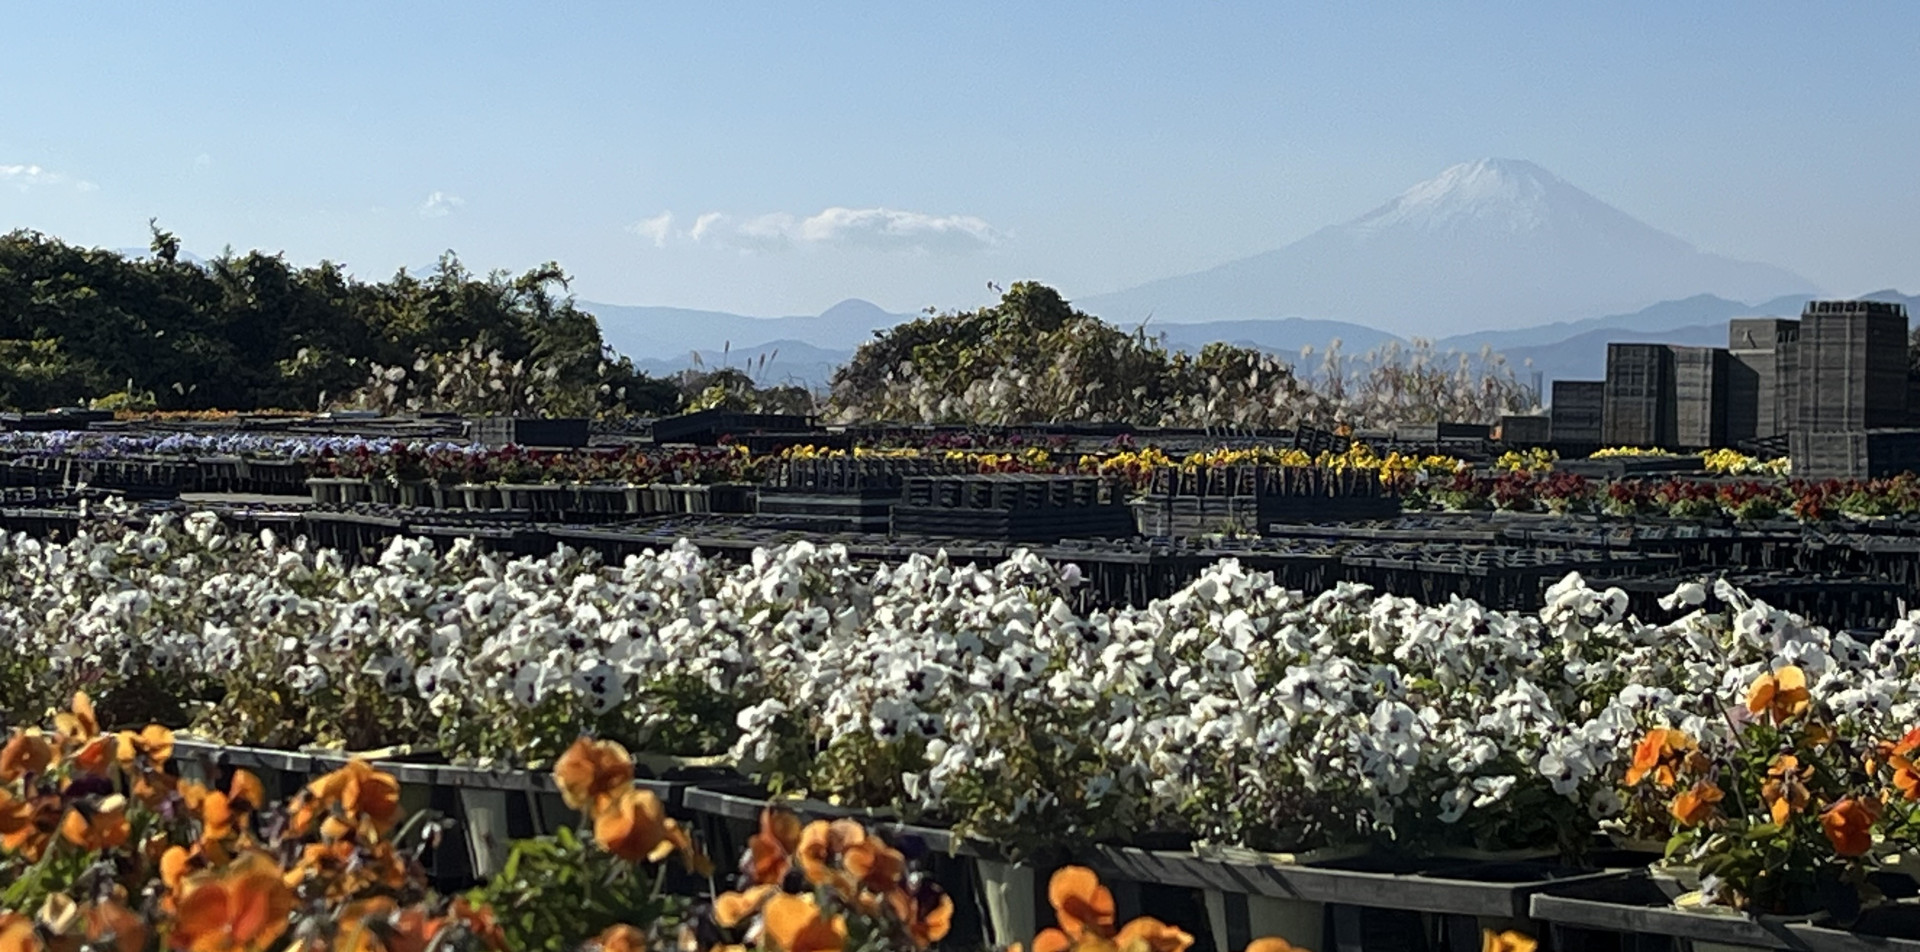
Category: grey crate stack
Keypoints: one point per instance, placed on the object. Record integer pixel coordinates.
(1853, 387)
(1639, 377)
(1699, 398)
(1577, 411)
(1025, 508)
(531, 431)
(1855, 454)
(1853, 366)
(1526, 430)
(1762, 385)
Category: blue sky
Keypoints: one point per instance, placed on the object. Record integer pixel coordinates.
(1089, 145)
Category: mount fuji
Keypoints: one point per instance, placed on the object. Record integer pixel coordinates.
(1488, 245)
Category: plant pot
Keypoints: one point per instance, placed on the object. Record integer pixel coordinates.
(1012, 903)
(415, 494)
(551, 813)
(477, 498)
(1707, 945)
(1636, 844)
(334, 491)
(1237, 919)
(695, 499)
(483, 815)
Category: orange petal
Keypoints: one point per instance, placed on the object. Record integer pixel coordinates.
(1152, 935)
(1790, 678)
(245, 788)
(795, 924)
(1080, 903)
(1051, 940)
(1271, 944)
(1760, 696)
(732, 908)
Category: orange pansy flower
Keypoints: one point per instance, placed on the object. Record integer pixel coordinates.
(1781, 694)
(1147, 934)
(112, 925)
(243, 907)
(356, 790)
(1783, 791)
(1906, 777)
(927, 913)
(1657, 754)
(732, 908)
(97, 828)
(1696, 804)
(770, 851)
(591, 771)
(95, 757)
(216, 817)
(1080, 902)
(1909, 743)
(822, 842)
(78, 725)
(17, 934)
(634, 826)
(245, 792)
(27, 752)
(27, 825)
(796, 924)
(1052, 940)
(874, 864)
(155, 743)
(1271, 944)
(1849, 825)
(478, 921)
(620, 938)
(1508, 941)
(175, 864)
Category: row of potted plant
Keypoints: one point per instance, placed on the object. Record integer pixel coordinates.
(1674, 497)
(1235, 713)
(107, 847)
(86, 444)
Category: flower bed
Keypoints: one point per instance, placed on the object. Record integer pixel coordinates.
(1234, 714)
(1233, 711)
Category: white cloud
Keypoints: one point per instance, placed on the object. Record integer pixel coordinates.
(24, 177)
(656, 229)
(873, 229)
(440, 205)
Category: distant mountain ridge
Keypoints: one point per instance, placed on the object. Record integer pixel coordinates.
(664, 340)
(1490, 245)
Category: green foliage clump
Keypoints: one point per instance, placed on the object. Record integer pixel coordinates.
(1033, 358)
(249, 331)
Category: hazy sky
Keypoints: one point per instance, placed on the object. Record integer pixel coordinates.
(776, 158)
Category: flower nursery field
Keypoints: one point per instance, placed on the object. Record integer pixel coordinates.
(1526, 705)
(1214, 729)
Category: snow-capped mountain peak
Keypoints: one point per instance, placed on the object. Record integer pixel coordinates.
(1508, 194)
(1489, 244)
